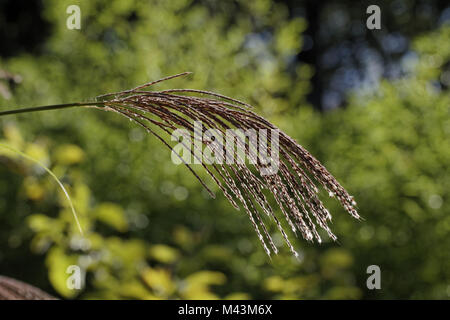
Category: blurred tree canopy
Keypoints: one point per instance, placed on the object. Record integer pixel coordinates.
(151, 231)
(347, 56)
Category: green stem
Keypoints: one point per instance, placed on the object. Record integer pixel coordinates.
(45, 108)
(51, 107)
(4, 146)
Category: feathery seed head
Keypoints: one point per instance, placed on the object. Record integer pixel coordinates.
(293, 186)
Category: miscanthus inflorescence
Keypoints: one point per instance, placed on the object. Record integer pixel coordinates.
(294, 188)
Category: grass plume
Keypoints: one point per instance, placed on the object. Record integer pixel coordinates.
(294, 188)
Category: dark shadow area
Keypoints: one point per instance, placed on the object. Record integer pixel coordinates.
(22, 28)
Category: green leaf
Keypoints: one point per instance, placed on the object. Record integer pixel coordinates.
(113, 215)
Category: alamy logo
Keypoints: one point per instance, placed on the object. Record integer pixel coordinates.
(228, 147)
(75, 280)
(374, 20)
(74, 20)
(374, 281)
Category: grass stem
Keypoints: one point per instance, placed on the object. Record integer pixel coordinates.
(50, 107)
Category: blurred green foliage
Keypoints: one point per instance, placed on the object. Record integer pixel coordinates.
(151, 231)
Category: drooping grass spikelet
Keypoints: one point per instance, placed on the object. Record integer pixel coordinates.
(294, 187)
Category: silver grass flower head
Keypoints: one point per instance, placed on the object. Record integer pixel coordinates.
(294, 187)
